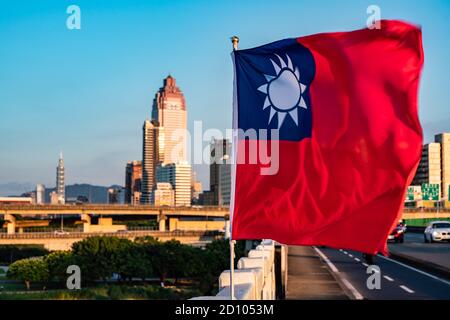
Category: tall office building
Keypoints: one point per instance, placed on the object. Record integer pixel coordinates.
(429, 170)
(133, 178)
(196, 188)
(169, 110)
(113, 195)
(179, 176)
(150, 160)
(224, 183)
(220, 150)
(40, 194)
(444, 140)
(60, 180)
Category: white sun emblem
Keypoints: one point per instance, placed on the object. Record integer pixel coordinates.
(284, 91)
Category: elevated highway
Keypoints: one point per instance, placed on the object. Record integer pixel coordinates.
(194, 211)
(167, 217)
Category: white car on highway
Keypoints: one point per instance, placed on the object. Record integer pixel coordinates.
(437, 231)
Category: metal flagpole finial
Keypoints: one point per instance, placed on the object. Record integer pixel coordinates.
(235, 42)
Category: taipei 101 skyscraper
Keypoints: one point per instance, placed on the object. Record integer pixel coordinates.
(60, 180)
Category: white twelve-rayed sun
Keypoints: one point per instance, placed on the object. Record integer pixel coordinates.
(284, 91)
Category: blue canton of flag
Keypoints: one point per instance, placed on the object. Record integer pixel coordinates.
(273, 89)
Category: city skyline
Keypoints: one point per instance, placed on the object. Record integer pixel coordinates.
(52, 91)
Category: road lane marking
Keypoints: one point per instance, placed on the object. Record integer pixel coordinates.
(345, 252)
(417, 270)
(350, 255)
(357, 259)
(365, 264)
(348, 285)
(407, 289)
(388, 278)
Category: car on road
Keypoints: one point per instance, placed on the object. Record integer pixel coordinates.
(398, 234)
(437, 231)
(60, 232)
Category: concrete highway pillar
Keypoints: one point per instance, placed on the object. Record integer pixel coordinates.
(10, 223)
(173, 224)
(86, 219)
(162, 222)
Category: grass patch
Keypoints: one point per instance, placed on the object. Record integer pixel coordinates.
(113, 292)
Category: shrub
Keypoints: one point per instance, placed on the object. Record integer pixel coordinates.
(29, 270)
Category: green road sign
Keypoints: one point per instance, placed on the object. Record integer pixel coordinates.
(430, 191)
(414, 193)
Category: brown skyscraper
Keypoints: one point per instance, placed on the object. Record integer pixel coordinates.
(169, 110)
(150, 159)
(133, 176)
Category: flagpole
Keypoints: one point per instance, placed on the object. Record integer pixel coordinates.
(234, 41)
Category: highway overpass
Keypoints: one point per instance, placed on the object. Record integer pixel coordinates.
(194, 211)
(169, 218)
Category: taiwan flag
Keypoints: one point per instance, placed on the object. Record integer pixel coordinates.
(327, 137)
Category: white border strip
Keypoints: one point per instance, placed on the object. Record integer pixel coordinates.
(348, 285)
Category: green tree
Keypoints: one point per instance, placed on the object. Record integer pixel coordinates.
(158, 256)
(134, 261)
(57, 263)
(29, 270)
(10, 253)
(98, 257)
(218, 254)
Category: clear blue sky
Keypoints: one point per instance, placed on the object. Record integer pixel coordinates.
(87, 92)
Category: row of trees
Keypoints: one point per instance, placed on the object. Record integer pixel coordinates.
(11, 253)
(99, 258)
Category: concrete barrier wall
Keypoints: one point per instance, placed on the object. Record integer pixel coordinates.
(254, 278)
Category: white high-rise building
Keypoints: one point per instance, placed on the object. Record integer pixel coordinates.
(60, 180)
(434, 166)
(163, 195)
(40, 194)
(429, 170)
(444, 140)
(179, 176)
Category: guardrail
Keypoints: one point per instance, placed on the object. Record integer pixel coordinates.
(92, 206)
(254, 278)
(123, 234)
(427, 210)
